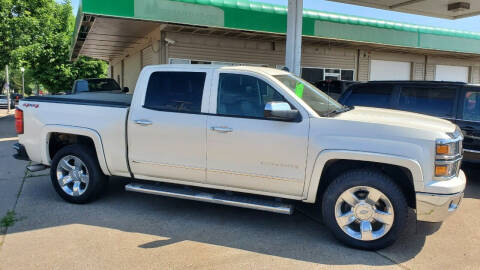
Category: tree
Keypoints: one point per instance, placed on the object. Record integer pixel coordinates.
(36, 34)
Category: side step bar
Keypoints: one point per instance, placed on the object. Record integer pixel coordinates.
(218, 198)
(36, 168)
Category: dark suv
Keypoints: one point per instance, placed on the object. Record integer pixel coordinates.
(334, 88)
(454, 101)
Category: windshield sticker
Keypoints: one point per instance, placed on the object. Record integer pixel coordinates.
(299, 90)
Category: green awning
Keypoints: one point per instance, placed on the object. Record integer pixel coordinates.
(261, 17)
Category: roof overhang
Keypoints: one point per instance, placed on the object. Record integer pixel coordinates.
(448, 9)
(105, 29)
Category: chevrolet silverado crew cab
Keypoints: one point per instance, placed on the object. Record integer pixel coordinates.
(251, 137)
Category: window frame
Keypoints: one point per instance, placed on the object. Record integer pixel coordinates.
(205, 95)
(325, 73)
(214, 96)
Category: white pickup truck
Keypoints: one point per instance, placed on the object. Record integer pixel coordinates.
(251, 137)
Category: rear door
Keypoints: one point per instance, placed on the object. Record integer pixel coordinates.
(167, 130)
(434, 100)
(468, 120)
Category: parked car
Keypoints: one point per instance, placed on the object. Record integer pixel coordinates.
(16, 97)
(251, 137)
(4, 102)
(454, 101)
(97, 85)
(334, 88)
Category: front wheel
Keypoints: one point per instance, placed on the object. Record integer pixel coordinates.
(76, 174)
(365, 209)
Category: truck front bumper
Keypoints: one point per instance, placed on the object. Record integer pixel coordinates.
(437, 207)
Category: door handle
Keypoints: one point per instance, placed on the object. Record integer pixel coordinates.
(143, 122)
(221, 129)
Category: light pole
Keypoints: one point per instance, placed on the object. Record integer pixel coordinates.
(7, 87)
(23, 81)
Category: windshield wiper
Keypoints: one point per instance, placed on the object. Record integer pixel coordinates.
(338, 111)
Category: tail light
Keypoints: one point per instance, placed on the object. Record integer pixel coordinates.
(19, 121)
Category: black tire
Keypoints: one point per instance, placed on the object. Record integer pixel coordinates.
(369, 178)
(97, 182)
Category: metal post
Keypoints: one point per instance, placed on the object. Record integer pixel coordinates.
(23, 81)
(294, 36)
(7, 87)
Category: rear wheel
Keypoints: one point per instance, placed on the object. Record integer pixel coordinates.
(76, 174)
(365, 209)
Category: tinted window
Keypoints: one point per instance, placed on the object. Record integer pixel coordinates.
(175, 91)
(369, 95)
(243, 95)
(471, 106)
(330, 86)
(347, 75)
(436, 101)
(312, 75)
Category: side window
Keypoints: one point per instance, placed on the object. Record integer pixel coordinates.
(436, 101)
(369, 95)
(175, 91)
(243, 95)
(471, 106)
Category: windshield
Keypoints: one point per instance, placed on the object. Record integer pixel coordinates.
(320, 102)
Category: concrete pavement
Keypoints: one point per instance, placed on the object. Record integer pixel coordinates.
(138, 231)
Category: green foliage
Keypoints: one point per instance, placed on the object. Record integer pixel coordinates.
(9, 219)
(36, 34)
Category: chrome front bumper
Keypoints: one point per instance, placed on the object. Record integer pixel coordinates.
(437, 207)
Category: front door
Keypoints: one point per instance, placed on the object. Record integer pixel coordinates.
(468, 120)
(167, 132)
(244, 149)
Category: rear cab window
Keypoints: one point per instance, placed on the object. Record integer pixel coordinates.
(431, 100)
(369, 95)
(175, 91)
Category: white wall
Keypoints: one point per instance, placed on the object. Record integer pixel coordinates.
(451, 73)
(390, 70)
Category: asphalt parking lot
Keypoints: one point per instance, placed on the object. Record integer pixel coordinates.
(131, 231)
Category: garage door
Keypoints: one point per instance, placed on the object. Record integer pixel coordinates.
(451, 73)
(389, 70)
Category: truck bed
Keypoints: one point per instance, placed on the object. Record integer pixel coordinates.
(107, 99)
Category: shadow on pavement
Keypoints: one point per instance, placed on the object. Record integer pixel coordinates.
(296, 237)
(472, 171)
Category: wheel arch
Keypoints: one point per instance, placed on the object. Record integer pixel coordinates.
(79, 132)
(328, 158)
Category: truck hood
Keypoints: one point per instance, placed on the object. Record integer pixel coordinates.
(398, 119)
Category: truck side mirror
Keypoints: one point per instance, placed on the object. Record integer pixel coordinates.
(280, 111)
(125, 90)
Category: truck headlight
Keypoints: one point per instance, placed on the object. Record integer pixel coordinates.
(447, 169)
(448, 156)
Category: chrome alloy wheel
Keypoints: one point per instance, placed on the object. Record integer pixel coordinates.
(364, 213)
(72, 175)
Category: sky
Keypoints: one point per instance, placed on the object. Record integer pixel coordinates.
(467, 24)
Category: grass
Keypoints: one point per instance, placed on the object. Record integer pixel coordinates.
(9, 219)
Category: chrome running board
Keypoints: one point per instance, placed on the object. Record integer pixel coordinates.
(218, 198)
(36, 168)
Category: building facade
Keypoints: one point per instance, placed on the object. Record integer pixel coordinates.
(131, 34)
